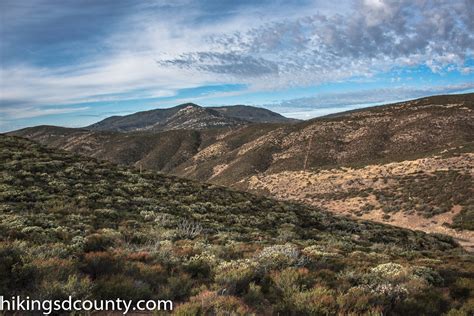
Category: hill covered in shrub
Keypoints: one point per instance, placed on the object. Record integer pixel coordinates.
(71, 225)
(408, 164)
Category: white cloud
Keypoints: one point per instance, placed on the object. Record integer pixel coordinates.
(156, 52)
(326, 103)
(29, 112)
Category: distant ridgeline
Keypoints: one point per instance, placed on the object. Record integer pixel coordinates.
(189, 116)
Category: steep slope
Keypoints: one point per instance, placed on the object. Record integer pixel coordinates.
(188, 116)
(195, 117)
(288, 160)
(162, 151)
(74, 226)
(136, 121)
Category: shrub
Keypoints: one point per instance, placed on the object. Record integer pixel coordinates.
(464, 219)
(15, 273)
(200, 265)
(316, 301)
(97, 264)
(178, 287)
(98, 242)
(426, 274)
(188, 229)
(357, 301)
(121, 286)
(154, 274)
(289, 282)
(254, 295)
(467, 309)
(429, 302)
(292, 286)
(463, 288)
(314, 252)
(234, 276)
(142, 256)
(388, 270)
(106, 214)
(388, 293)
(64, 247)
(75, 286)
(210, 303)
(60, 269)
(279, 257)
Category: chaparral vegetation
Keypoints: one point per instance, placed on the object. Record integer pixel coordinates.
(71, 225)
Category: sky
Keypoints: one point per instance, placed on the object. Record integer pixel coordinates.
(75, 62)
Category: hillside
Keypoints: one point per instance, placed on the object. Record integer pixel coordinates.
(368, 163)
(188, 116)
(72, 225)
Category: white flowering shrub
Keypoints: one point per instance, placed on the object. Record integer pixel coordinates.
(315, 252)
(280, 257)
(106, 213)
(188, 229)
(165, 220)
(391, 293)
(148, 215)
(234, 276)
(206, 257)
(389, 270)
(201, 265)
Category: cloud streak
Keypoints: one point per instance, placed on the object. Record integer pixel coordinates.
(382, 95)
(29, 112)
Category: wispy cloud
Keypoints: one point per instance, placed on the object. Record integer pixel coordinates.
(29, 112)
(373, 36)
(330, 100)
(326, 103)
(74, 52)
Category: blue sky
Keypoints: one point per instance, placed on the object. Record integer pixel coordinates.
(74, 62)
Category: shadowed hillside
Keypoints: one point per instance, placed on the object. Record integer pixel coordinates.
(71, 225)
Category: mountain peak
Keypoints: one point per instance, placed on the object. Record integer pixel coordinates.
(189, 116)
(188, 105)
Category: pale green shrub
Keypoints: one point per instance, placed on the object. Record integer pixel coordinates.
(279, 257)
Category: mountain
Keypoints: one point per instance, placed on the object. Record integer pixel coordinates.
(252, 114)
(75, 226)
(408, 164)
(188, 116)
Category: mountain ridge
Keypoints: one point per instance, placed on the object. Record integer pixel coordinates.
(189, 116)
